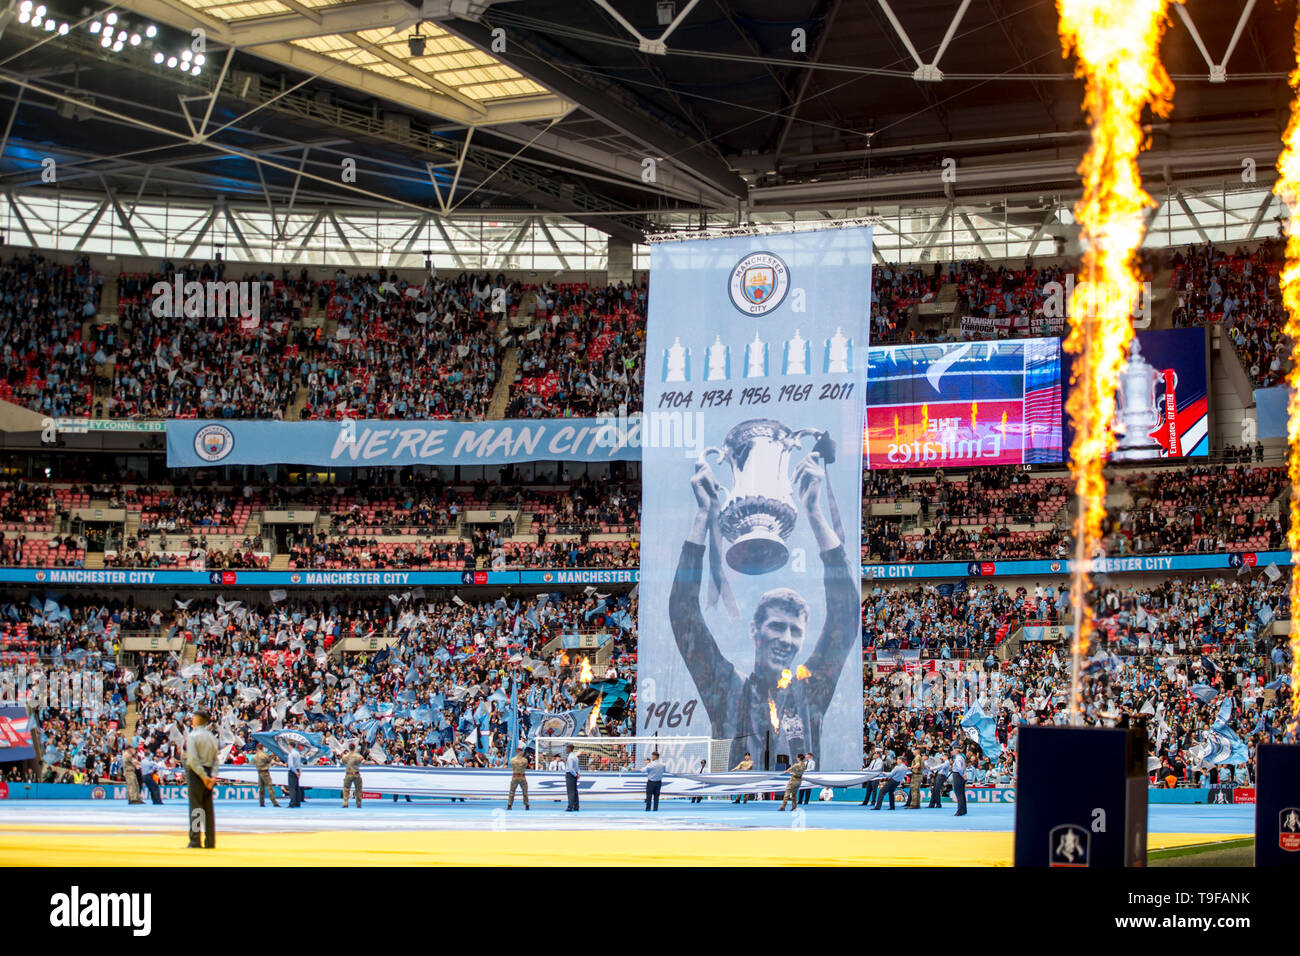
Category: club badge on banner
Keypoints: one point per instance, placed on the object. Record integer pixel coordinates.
(749, 624)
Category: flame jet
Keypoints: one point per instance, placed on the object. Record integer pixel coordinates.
(1114, 42)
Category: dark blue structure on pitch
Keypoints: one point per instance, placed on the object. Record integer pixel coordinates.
(1277, 805)
(1081, 797)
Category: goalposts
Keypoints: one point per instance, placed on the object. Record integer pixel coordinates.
(629, 754)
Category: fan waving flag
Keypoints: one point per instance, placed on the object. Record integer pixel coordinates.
(278, 742)
(982, 729)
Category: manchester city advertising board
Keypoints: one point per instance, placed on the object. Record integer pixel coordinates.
(749, 627)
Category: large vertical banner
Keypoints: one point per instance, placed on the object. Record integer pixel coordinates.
(750, 625)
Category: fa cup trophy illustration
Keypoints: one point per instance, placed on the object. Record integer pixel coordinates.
(1138, 407)
(757, 515)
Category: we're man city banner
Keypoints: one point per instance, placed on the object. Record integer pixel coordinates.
(749, 625)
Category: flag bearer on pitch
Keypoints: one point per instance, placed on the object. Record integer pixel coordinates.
(792, 788)
(262, 761)
(518, 764)
(352, 773)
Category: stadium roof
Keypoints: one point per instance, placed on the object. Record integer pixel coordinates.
(594, 111)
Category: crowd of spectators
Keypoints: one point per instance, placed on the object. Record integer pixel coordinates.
(585, 355)
(436, 696)
(1180, 653)
(170, 361)
(1238, 291)
(407, 350)
(426, 522)
(45, 363)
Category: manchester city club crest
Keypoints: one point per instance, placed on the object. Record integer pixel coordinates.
(557, 725)
(295, 579)
(759, 283)
(1068, 846)
(40, 576)
(548, 577)
(214, 442)
(1288, 829)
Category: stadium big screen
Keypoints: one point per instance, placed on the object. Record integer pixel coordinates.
(961, 404)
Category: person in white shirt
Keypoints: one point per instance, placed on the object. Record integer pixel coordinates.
(571, 778)
(809, 766)
(294, 763)
(877, 765)
(940, 776)
(654, 781)
(959, 780)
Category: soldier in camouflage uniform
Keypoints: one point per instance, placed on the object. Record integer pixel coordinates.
(918, 771)
(352, 773)
(518, 764)
(792, 788)
(262, 761)
(131, 771)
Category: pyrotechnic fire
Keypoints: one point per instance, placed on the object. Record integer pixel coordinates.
(585, 674)
(771, 713)
(595, 715)
(1287, 189)
(802, 672)
(784, 682)
(1115, 42)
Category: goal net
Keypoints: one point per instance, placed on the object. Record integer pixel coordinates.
(629, 754)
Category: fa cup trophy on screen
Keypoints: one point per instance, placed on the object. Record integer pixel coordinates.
(1139, 400)
(758, 513)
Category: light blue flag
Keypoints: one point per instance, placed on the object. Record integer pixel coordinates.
(277, 742)
(562, 724)
(983, 730)
(512, 722)
(1225, 745)
(1203, 692)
